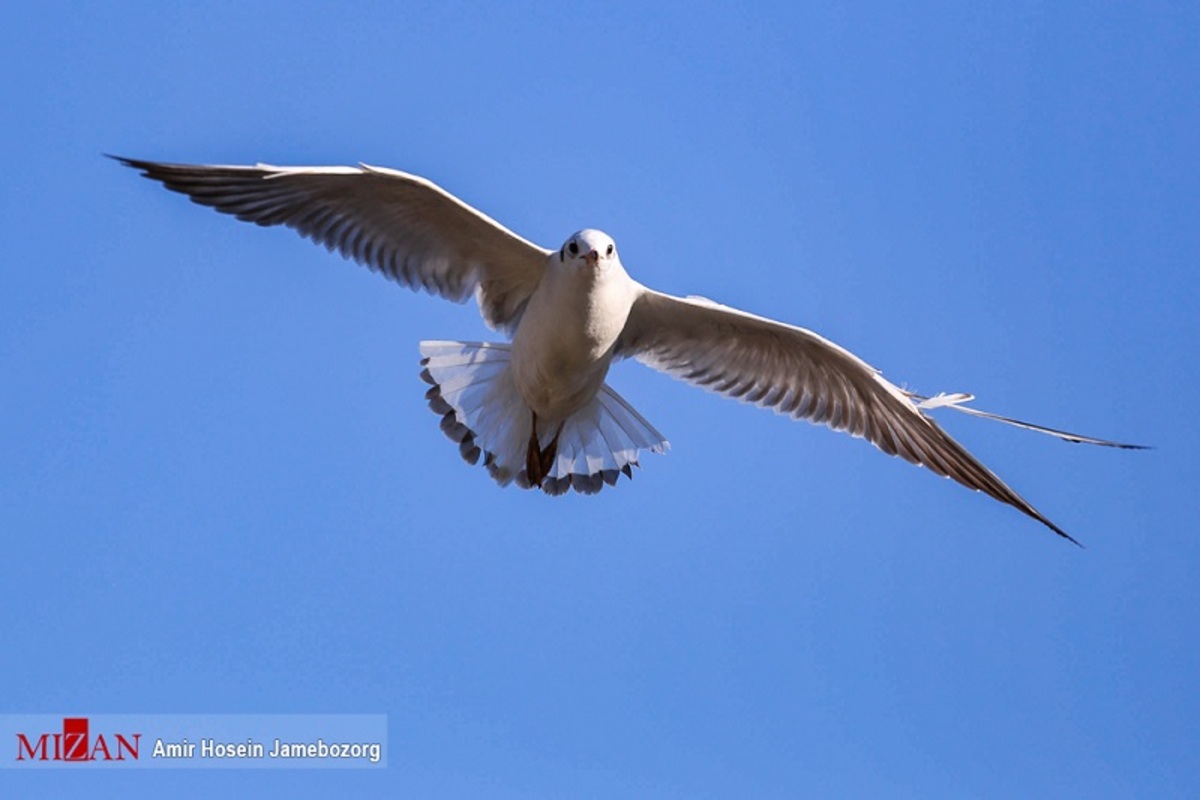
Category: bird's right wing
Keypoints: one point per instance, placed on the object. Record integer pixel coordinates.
(796, 372)
(401, 225)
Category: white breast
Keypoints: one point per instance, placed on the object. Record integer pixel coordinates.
(563, 346)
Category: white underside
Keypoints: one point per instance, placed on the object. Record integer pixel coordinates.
(482, 410)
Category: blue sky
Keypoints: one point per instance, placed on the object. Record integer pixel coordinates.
(221, 491)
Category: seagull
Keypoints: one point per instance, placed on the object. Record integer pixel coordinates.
(537, 410)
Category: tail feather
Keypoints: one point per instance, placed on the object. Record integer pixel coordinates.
(636, 429)
(472, 389)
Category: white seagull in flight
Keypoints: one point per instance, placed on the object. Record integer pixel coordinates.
(537, 410)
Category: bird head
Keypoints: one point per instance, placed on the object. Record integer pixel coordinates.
(589, 249)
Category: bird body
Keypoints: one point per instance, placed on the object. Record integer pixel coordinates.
(538, 411)
(563, 347)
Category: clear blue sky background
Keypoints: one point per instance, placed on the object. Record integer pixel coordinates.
(221, 490)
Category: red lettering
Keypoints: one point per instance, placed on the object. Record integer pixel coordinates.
(101, 745)
(72, 744)
(75, 738)
(31, 751)
(123, 746)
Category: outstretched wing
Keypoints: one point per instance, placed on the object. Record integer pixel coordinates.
(796, 372)
(958, 401)
(401, 225)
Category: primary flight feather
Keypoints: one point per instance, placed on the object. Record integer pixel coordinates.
(537, 410)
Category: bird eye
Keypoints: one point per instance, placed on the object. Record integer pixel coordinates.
(610, 250)
(573, 248)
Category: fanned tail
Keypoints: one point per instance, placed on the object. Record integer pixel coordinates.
(472, 390)
(957, 401)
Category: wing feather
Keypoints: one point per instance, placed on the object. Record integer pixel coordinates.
(798, 373)
(403, 226)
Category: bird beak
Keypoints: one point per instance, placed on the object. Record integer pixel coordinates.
(592, 258)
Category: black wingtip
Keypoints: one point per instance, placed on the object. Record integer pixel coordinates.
(132, 163)
(1115, 445)
(1030, 511)
(1061, 532)
(149, 169)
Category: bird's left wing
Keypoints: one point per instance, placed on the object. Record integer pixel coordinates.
(401, 225)
(796, 372)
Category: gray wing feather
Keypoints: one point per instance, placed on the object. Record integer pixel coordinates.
(401, 225)
(796, 372)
